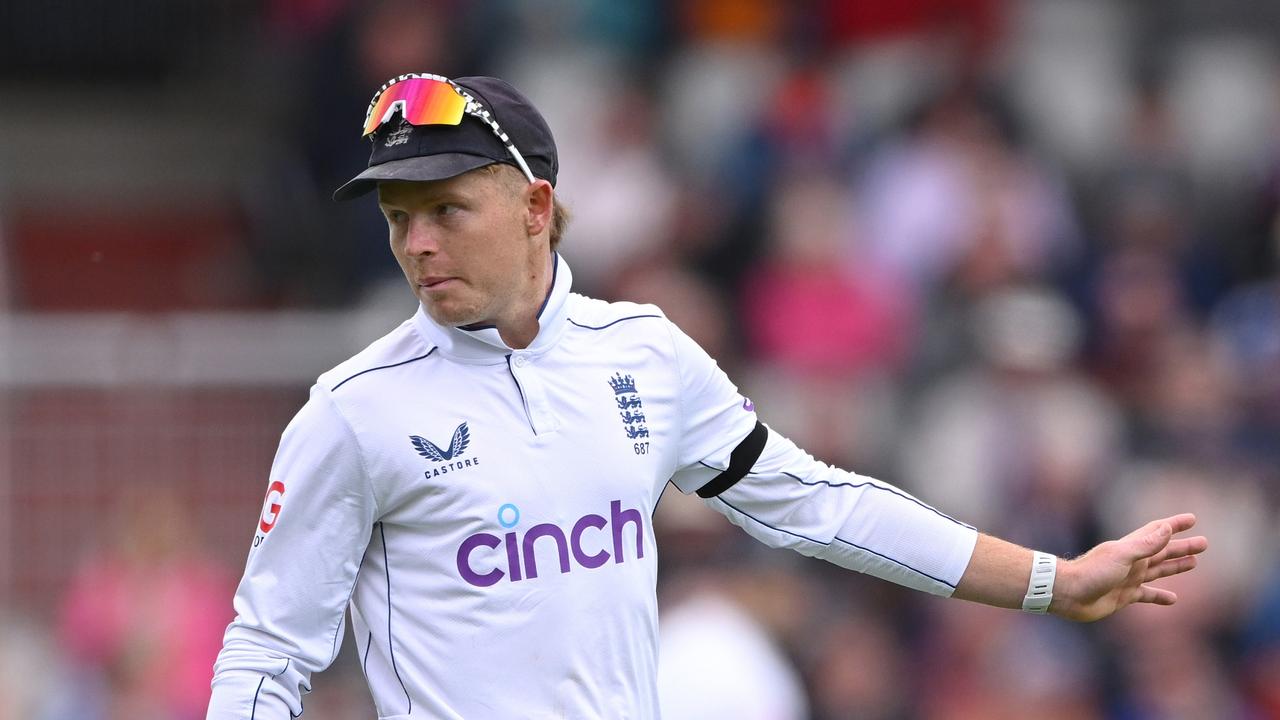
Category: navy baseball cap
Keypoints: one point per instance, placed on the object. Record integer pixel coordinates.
(405, 151)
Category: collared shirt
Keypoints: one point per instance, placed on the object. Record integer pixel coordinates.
(486, 515)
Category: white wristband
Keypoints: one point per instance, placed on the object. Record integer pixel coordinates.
(1044, 567)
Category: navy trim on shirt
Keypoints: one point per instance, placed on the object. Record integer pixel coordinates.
(381, 367)
(391, 646)
(846, 542)
(615, 322)
(555, 269)
(253, 712)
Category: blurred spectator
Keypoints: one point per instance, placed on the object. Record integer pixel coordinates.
(633, 29)
(954, 196)
(1245, 328)
(1018, 443)
(1149, 170)
(809, 310)
(974, 25)
(1173, 674)
(31, 678)
(1259, 645)
(1190, 410)
(824, 332)
(724, 623)
(619, 175)
(142, 620)
(309, 250)
(303, 19)
(791, 136)
(996, 665)
(858, 668)
(847, 421)
(714, 94)
(1256, 254)
(1212, 71)
(714, 637)
(1146, 205)
(6, 294)
(1140, 305)
(733, 21)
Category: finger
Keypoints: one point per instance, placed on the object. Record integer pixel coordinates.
(1169, 567)
(1182, 547)
(1146, 541)
(1177, 523)
(1151, 538)
(1181, 522)
(1156, 596)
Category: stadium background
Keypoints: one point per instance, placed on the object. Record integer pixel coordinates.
(1019, 257)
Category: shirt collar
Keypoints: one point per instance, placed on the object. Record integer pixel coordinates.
(484, 344)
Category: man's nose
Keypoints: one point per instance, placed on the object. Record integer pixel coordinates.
(422, 237)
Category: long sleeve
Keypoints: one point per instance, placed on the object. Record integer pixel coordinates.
(791, 500)
(316, 522)
(788, 499)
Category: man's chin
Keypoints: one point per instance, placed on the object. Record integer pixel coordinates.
(452, 317)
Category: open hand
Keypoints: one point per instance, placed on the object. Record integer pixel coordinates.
(1116, 573)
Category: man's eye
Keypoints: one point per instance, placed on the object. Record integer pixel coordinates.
(447, 209)
(395, 217)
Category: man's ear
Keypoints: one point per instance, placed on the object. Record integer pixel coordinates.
(539, 204)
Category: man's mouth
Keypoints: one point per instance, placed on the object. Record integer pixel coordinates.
(435, 282)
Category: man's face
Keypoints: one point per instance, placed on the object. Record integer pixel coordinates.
(464, 245)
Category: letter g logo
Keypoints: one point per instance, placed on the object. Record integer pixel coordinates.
(271, 506)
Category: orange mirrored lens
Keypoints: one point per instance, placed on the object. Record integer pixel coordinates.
(421, 101)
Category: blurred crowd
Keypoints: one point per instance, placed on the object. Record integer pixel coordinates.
(1018, 257)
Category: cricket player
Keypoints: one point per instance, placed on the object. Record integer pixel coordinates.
(478, 486)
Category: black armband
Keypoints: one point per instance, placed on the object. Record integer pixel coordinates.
(740, 462)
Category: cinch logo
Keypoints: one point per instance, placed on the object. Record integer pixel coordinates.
(520, 563)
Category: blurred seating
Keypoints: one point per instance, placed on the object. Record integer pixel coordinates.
(126, 258)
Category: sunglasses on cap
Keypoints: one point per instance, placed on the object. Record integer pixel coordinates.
(423, 99)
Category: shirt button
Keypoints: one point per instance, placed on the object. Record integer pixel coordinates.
(521, 361)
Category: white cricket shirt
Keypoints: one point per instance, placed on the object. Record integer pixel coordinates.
(486, 514)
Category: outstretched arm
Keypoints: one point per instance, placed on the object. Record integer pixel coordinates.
(783, 497)
(1093, 586)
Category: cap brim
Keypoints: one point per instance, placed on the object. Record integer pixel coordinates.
(418, 169)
